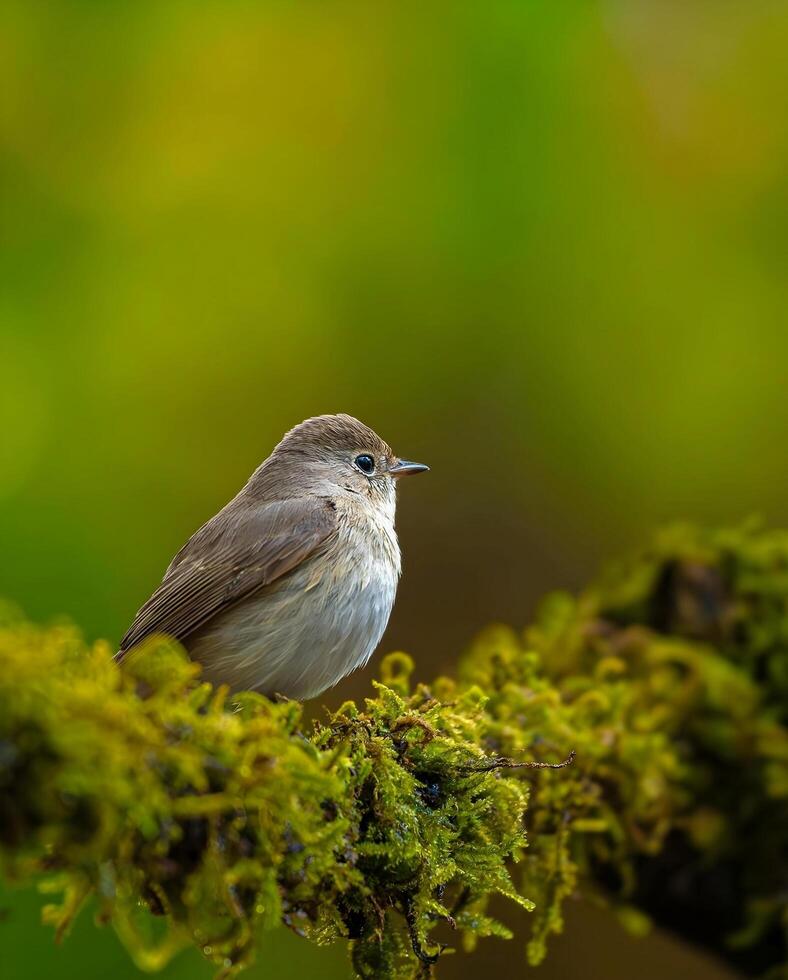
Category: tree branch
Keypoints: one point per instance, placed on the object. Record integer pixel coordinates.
(665, 682)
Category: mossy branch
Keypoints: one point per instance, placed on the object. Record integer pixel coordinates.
(393, 825)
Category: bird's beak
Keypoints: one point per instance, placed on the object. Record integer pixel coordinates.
(404, 467)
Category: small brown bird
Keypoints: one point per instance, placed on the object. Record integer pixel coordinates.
(290, 586)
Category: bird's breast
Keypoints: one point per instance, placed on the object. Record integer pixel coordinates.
(306, 631)
(366, 544)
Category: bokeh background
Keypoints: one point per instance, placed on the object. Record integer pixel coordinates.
(541, 246)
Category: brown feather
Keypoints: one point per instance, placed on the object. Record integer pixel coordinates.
(240, 550)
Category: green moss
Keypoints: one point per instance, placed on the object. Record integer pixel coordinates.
(391, 826)
(675, 664)
(145, 785)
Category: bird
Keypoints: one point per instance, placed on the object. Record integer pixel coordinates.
(290, 586)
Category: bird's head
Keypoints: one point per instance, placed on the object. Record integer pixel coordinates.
(339, 454)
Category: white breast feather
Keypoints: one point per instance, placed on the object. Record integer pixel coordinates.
(301, 635)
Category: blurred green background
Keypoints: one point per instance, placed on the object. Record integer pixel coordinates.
(541, 246)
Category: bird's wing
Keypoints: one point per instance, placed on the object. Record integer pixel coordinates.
(239, 551)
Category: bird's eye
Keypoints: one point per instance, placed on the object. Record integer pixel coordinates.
(365, 463)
